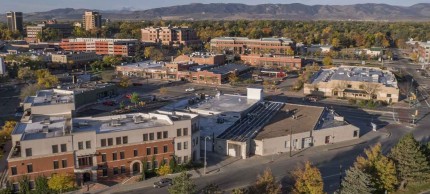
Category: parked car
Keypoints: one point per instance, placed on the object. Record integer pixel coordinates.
(190, 90)
(163, 182)
(109, 103)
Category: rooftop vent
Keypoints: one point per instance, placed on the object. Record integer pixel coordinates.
(45, 129)
(138, 119)
(46, 121)
(115, 122)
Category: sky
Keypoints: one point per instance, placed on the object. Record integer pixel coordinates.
(45, 5)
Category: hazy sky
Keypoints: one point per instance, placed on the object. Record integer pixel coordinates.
(44, 5)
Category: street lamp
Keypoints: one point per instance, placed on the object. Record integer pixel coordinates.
(207, 137)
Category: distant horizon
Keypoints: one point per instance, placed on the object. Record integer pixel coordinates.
(28, 6)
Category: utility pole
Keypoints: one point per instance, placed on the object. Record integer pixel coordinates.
(340, 179)
(291, 141)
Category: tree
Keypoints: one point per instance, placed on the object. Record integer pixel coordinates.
(211, 189)
(308, 180)
(7, 129)
(327, 61)
(111, 60)
(357, 181)
(289, 52)
(266, 183)
(182, 184)
(233, 79)
(29, 90)
(107, 76)
(163, 90)
(414, 57)
(411, 162)
(370, 88)
(164, 170)
(381, 168)
(61, 182)
(46, 79)
(24, 185)
(335, 42)
(125, 82)
(25, 74)
(41, 185)
(135, 98)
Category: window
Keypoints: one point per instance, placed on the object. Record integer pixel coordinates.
(165, 161)
(13, 169)
(159, 135)
(15, 187)
(80, 145)
(185, 131)
(151, 136)
(178, 146)
(103, 157)
(185, 159)
(121, 155)
(118, 141)
(179, 159)
(54, 149)
(29, 168)
(355, 133)
(148, 165)
(63, 148)
(178, 132)
(31, 185)
(165, 149)
(349, 86)
(145, 137)
(185, 145)
(115, 170)
(114, 156)
(110, 141)
(85, 161)
(148, 151)
(28, 152)
(155, 164)
(88, 144)
(135, 153)
(125, 140)
(56, 166)
(64, 163)
(155, 150)
(105, 172)
(103, 142)
(165, 134)
(388, 95)
(122, 169)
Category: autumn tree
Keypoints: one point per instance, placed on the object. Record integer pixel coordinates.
(61, 182)
(308, 180)
(7, 129)
(46, 79)
(266, 183)
(233, 79)
(163, 90)
(182, 184)
(25, 74)
(125, 82)
(164, 170)
(335, 42)
(327, 61)
(381, 168)
(357, 181)
(211, 189)
(111, 60)
(411, 162)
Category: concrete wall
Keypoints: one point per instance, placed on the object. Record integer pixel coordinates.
(92, 96)
(43, 147)
(53, 109)
(337, 134)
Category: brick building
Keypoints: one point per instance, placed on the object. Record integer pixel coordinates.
(202, 58)
(273, 62)
(174, 36)
(242, 45)
(65, 30)
(97, 148)
(101, 46)
(91, 20)
(74, 58)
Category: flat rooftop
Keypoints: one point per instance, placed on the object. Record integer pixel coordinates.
(52, 96)
(144, 65)
(86, 86)
(43, 127)
(124, 122)
(223, 104)
(225, 69)
(357, 74)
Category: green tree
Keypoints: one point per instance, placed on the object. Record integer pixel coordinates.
(411, 162)
(381, 168)
(335, 42)
(24, 185)
(41, 185)
(211, 189)
(327, 61)
(135, 98)
(182, 184)
(356, 181)
(25, 74)
(111, 60)
(266, 183)
(61, 182)
(308, 180)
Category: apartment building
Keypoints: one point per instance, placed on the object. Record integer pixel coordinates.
(71, 59)
(363, 83)
(65, 30)
(243, 45)
(2, 66)
(101, 46)
(424, 52)
(92, 20)
(95, 148)
(273, 61)
(174, 36)
(14, 21)
(202, 58)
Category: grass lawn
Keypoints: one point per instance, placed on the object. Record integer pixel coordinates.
(414, 188)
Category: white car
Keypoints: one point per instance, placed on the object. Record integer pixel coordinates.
(190, 90)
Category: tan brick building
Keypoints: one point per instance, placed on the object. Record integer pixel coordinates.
(174, 36)
(202, 58)
(354, 82)
(273, 62)
(93, 148)
(74, 58)
(241, 45)
(91, 20)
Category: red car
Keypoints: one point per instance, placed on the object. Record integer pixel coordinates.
(108, 103)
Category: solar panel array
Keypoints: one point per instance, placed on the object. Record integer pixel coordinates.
(248, 127)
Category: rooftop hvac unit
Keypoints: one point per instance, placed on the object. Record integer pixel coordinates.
(115, 122)
(46, 121)
(45, 129)
(138, 119)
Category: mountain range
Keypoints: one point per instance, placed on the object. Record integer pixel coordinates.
(232, 11)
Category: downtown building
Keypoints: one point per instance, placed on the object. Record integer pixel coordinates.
(65, 30)
(173, 36)
(243, 45)
(91, 20)
(101, 46)
(15, 21)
